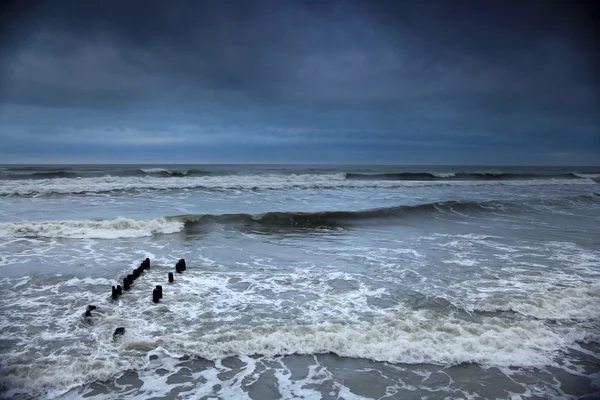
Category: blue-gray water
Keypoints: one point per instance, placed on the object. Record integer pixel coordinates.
(332, 282)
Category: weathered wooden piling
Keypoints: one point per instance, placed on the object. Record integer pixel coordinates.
(171, 277)
(155, 296)
(180, 266)
(120, 331)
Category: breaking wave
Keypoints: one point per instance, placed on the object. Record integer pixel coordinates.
(183, 181)
(129, 228)
(90, 229)
(467, 176)
(40, 175)
(33, 173)
(406, 335)
(173, 173)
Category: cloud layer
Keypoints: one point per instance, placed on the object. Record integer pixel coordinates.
(314, 81)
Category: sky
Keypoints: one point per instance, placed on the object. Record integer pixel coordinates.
(303, 81)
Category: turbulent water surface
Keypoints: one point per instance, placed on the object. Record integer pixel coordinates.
(312, 282)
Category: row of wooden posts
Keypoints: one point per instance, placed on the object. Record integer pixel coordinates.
(157, 293)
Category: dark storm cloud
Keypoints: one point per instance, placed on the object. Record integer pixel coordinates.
(213, 50)
(336, 53)
(487, 74)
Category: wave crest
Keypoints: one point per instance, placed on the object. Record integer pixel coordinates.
(89, 229)
(129, 228)
(107, 184)
(173, 173)
(467, 176)
(410, 339)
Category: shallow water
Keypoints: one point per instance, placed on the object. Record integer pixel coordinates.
(302, 282)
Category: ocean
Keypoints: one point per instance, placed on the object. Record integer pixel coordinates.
(302, 282)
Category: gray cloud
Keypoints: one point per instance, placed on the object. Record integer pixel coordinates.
(290, 73)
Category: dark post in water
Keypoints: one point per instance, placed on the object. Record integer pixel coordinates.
(114, 294)
(120, 331)
(180, 266)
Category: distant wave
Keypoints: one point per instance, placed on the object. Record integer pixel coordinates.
(173, 173)
(130, 228)
(462, 176)
(407, 176)
(149, 182)
(40, 174)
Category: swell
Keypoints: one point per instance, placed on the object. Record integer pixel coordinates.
(40, 174)
(465, 176)
(129, 228)
(328, 219)
(332, 219)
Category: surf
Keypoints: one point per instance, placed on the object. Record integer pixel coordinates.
(333, 181)
(332, 219)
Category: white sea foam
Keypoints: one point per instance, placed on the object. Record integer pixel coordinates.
(397, 335)
(107, 229)
(290, 389)
(217, 315)
(154, 170)
(576, 303)
(587, 176)
(240, 182)
(411, 338)
(164, 171)
(407, 339)
(469, 236)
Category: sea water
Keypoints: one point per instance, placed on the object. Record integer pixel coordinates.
(313, 282)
